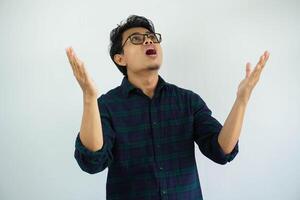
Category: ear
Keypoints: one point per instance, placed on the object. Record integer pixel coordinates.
(119, 59)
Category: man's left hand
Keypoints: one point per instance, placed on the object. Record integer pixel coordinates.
(248, 83)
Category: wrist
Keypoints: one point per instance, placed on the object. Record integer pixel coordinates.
(89, 98)
(241, 101)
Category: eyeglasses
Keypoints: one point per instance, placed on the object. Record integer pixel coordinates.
(138, 38)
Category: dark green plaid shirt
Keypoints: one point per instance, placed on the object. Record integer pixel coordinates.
(149, 143)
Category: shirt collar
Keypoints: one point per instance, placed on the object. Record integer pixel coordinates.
(127, 87)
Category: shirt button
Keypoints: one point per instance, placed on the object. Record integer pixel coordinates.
(161, 168)
(154, 123)
(164, 192)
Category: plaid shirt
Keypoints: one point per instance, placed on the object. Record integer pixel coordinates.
(149, 142)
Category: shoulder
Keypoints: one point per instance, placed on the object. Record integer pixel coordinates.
(111, 95)
(187, 96)
(183, 92)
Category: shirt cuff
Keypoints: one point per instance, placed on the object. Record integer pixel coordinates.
(85, 151)
(219, 151)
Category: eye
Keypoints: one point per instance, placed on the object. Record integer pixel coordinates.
(137, 38)
(152, 37)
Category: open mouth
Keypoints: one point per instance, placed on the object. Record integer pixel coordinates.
(151, 52)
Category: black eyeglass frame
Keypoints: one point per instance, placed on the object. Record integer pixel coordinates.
(157, 35)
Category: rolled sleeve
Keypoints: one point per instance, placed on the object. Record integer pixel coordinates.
(96, 161)
(206, 132)
(219, 153)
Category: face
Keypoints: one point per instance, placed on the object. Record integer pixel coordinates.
(141, 58)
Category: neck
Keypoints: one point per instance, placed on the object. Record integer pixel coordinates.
(147, 82)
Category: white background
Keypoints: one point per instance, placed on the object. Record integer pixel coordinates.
(206, 45)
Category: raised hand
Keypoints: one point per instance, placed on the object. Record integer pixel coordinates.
(85, 81)
(248, 83)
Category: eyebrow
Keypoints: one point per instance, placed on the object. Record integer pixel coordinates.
(140, 33)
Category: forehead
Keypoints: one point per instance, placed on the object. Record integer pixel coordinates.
(130, 31)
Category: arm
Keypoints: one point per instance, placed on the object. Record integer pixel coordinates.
(96, 161)
(231, 130)
(93, 146)
(91, 130)
(206, 132)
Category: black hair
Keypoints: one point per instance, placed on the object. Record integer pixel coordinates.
(116, 35)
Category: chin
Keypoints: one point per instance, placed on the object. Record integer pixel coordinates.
(153, 67)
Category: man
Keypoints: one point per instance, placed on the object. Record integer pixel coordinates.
(144, 130)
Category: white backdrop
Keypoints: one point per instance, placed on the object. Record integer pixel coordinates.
(206, 46)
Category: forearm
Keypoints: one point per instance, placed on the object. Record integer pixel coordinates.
(91, 134)
(231, 130)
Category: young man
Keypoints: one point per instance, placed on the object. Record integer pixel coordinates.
(144, 130)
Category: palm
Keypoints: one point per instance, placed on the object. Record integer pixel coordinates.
(85, 81)
(248, 83)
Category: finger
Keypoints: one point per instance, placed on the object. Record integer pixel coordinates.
(248, 70)
(254, 76)
(260, 64)
(79, 64)
(258, 69)
(261, 61)
(267, 55)
(79, 69)
(264, 58)
(77, 60)
(68, 51)
(73, 62)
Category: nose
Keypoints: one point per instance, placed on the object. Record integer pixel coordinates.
(148, 41)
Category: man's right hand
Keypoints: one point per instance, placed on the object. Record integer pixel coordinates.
(85, 81)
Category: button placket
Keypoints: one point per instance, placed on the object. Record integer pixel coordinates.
(154, 119)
